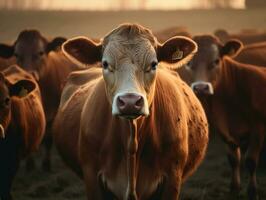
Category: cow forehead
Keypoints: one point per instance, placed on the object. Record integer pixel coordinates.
(136, 49)
(34, 45)
(207, 52)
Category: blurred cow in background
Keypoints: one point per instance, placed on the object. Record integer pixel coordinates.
(246, 36)
(22, 123)
(235, 102)
(45, 61)
(167, 33)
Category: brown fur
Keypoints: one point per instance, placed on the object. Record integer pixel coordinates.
(167, 33)
(43, 58)
(172, 140)
(247, 37)
(27, 119)
(236, 109)
(24, 124)
(253, 54)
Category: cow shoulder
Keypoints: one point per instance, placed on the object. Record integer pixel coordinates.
(78, 80)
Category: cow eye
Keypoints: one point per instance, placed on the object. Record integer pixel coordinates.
(214, 64)
(41, 53)
(154, 65)
(105, 64)
(189, 65)
(7, 101)
(16, 55)
(217, 61)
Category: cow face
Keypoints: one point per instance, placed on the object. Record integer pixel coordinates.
(205, 68)
(8, 91)
(31, 50)
(130, 56)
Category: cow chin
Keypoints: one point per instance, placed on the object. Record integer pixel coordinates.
(202, 88)
(2, 131)
(130, 105)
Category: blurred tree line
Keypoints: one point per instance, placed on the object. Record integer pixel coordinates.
(122, 4)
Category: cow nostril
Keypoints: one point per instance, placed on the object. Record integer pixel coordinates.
(139, 103)
(120, 102)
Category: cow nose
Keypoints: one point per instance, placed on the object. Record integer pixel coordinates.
(202, 88)
(130, 104)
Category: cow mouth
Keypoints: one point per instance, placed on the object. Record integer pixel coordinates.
(131, 116)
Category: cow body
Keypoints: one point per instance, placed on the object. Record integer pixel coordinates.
(92, 138)
(103, 148)
(247, 37)
(43, 59)
(24, 126)
(230, 92)
(253, 54)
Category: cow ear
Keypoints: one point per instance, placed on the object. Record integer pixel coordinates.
(55, 44)
(178, 50)
(21, 88)
(6, 51)
(231, 48)
(82, 51)
(2, 77)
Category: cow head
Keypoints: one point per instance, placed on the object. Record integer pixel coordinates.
(205, 67)
(9, 91)
(129, 55)
(31, 50)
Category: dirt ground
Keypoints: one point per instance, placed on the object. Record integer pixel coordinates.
(211, 180)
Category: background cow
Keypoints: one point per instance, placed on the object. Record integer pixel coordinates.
(165, 34)
(253, 54)
(22, 123)
(236, 105)
(92, 129)
(35, 54)
(247, 37)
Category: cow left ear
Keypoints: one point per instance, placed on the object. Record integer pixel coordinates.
(231, 48)
(6, 51)
(178, 50)
(55, 44)
(21, 88)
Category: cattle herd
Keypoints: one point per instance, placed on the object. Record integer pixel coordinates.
(131, 113)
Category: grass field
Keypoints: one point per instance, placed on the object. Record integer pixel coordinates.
(211, 180)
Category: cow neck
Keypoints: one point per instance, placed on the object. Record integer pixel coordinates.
(132, 148)
(226, 86)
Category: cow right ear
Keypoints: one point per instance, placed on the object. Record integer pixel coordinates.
(6, 51)
(21, 88)
(82, 51)
(231, 48)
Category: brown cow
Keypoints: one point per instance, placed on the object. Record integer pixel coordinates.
(167, 33)
(253, 54)
(92, 128)
(37, 55)
(22, 123)
(247, 37)
(236, 103)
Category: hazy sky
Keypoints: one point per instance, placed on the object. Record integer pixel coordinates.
(135, 4)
